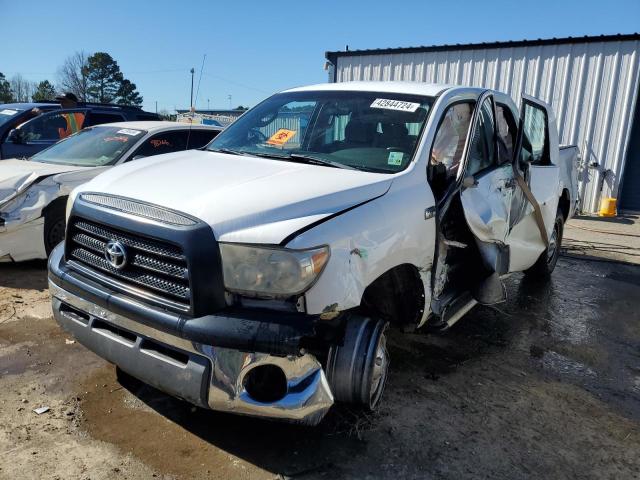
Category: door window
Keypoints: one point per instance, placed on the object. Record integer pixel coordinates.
(506, 133)
(451, 136)
(53, 127)
(482, 154)
(200, 138)
(535, 141)
(98, 118)
(166, 142)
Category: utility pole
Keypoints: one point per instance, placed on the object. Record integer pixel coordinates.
(229, 102)
(156, 107)
(191, 104)
(207, 104)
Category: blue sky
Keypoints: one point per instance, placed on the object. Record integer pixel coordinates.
(255, 48)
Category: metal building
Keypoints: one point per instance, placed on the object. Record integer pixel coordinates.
(591, 82)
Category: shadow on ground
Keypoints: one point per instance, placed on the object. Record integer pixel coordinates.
(546, 385)
(25, 275)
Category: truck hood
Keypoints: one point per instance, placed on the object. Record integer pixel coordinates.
(243, 199)
(18, 175)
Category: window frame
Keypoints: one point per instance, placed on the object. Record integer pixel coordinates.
(49, 114)
(506, 108)
(546, 153)
(487, 95)
(441, 121)
(91, 113)
(145, 141)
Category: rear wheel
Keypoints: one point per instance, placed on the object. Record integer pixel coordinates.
(357, 370)
(54, 226)
(545, 265)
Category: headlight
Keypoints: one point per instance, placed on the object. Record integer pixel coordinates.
(267, 271)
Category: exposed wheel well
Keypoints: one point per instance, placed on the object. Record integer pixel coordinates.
(396, 296)
(565, 203)
(56, 205)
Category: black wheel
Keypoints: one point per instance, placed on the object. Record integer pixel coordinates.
(357, 370)
(545, 265)
(54, 226)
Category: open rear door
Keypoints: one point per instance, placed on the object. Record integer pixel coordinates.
(487, 187)
(538, 179)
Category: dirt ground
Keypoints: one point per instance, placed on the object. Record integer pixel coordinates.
(545, 386)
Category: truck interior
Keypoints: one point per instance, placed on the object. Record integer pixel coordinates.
(460, 155)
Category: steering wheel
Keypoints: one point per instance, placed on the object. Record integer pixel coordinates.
(256, 136)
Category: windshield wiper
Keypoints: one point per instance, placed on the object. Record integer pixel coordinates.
(302, 158)
(228, 150)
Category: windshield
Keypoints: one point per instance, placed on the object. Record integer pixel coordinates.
(7, 114)
(376, 132)
(91, 147)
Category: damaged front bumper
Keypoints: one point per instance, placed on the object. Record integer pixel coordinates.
(204, 360)
(22, 240)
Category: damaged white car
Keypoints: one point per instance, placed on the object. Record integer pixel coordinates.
(263, 281)
(33, 193)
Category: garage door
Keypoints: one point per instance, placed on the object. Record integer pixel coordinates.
(630, 199)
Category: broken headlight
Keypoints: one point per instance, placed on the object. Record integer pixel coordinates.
(271, 271)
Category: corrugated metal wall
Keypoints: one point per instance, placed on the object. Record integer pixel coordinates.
(592, 87)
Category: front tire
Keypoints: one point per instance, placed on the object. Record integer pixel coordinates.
(545, 265)
(357, 370)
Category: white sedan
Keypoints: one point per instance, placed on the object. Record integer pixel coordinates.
(33, 192)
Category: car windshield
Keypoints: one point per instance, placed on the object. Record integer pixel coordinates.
(7, 113)
(91, 147)
(370, 131)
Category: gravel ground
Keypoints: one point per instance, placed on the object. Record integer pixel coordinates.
(546, 386)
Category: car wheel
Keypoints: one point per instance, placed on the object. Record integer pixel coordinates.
(357, 370)
(54, 226)
(545, 265)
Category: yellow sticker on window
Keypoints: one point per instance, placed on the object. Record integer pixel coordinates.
(281, 137)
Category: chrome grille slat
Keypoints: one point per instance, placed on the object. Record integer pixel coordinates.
(159, 266)
(152, 265)
(138, 260)
(148, 245)
(89, 242)
(137, 277)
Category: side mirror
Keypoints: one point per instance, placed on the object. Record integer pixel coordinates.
(469, 182)
(16, 136)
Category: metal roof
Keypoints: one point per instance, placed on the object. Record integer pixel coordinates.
(156, 126)
(333, 55)
(427, 89)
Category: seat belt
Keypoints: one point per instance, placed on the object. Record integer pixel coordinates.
(537, 212)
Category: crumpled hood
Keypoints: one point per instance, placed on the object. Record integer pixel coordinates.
(18, 175)
(244, 199)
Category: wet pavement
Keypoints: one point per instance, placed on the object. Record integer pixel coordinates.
(544, 386)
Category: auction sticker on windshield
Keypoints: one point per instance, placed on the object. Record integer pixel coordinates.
(7, 111)
(281, 137)
(128, 131)
(400, 105)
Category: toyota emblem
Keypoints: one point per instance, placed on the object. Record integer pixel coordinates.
(115, 254)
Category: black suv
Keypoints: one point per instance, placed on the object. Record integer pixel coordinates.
(27, 128)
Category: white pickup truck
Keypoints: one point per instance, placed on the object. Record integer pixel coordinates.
(259, 275)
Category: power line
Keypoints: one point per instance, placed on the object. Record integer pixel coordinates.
(233, 82)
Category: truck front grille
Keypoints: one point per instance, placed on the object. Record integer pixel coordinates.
(152, 267)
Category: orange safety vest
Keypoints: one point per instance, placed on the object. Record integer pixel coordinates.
(74, 124)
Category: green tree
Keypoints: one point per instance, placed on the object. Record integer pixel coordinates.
(44, 91)
(128, 95)
(103, 77)
(6, 95)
